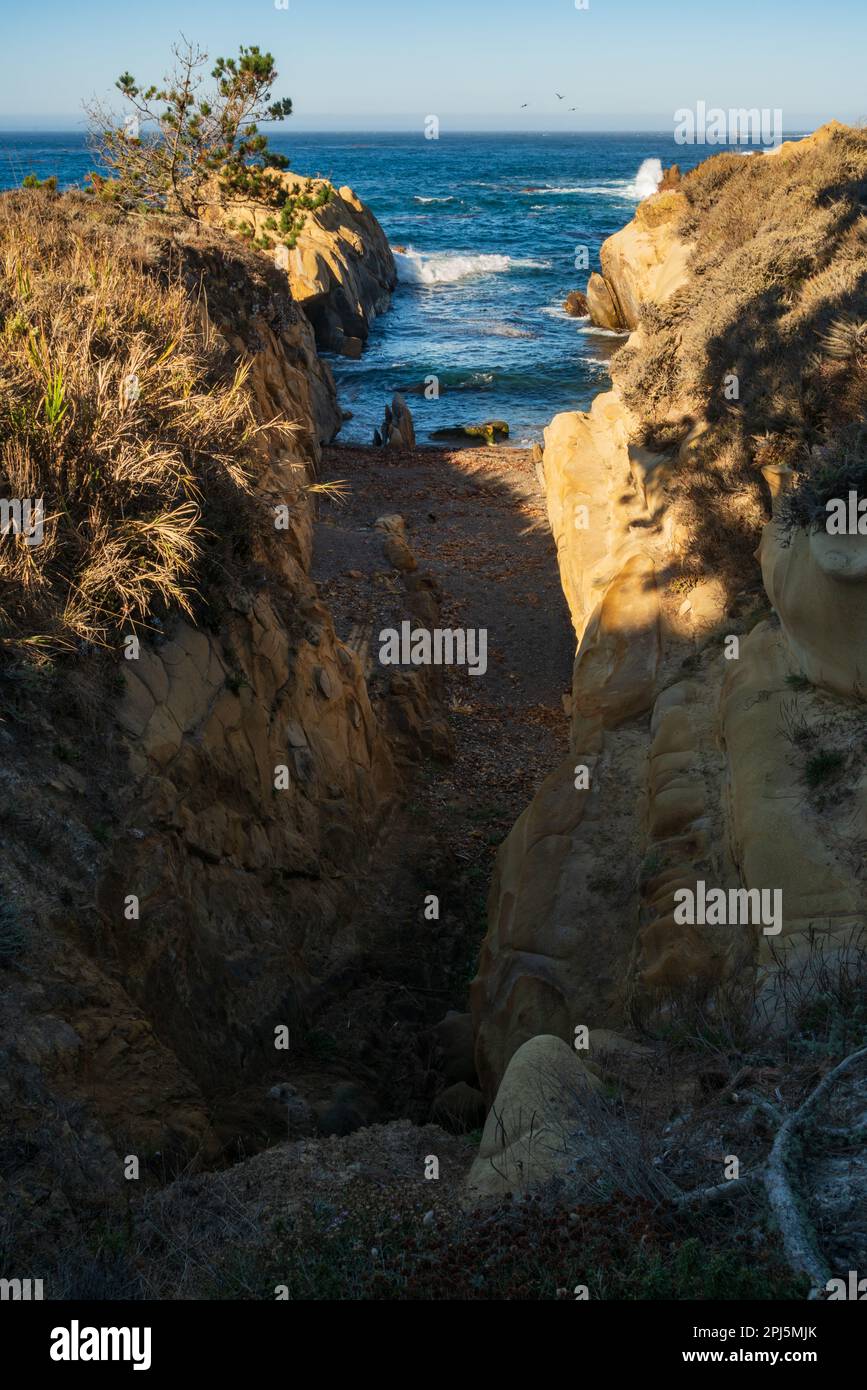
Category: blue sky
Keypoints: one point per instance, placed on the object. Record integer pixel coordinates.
(365, 64)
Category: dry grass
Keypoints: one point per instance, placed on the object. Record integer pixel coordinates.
(121, 408)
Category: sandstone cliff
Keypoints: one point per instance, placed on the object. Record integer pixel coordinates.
(714, 722)
(335, 254)
(645, 261)
(186, 832)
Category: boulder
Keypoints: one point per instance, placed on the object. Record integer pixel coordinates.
(576, 305)
(602, 303)
(489, 432)
(300, 1118)
(351, 1109)
(398, 429)
(536, 1129)
(455, 1044)
(459, 1109)
(395, 546)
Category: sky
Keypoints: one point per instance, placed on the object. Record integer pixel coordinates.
(387, 64)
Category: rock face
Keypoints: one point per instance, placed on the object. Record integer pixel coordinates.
(244, 782)
(342, 272)
(644, 261)
(818, 585)
(707, 750)
(340, 268)
(565, 897)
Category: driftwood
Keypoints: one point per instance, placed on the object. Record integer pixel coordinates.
(799, 1239)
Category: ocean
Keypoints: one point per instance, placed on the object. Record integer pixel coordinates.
(490, 227)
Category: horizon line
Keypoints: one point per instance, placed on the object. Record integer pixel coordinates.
(416, 130)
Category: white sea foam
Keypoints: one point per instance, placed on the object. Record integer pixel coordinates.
(420, 199)
(573, 188)
(491, 329)
(605, 332)
(647, 180)
(445, 267)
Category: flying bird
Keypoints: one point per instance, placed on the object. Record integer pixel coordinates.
(525, 105)
(558, 96)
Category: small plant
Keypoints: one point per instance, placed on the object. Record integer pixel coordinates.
(822, 765)
(793, 725)
(336, 491)
(846, 339)
(16, 326)
(650, 867)
(49, 184)
(796, 680)
(53, 402)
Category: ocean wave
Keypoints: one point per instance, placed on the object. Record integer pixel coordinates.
(476, 382)
(445, 267)
(556, 311)
(420, 199)
(605, 332)
(572, 188)
(646, 181)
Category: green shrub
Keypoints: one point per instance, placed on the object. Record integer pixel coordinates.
(49, 184)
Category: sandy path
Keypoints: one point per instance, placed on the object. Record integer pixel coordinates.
(476, 520)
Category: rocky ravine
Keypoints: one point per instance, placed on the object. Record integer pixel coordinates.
(302, 908)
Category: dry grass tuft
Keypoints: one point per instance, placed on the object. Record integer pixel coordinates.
(124, 411)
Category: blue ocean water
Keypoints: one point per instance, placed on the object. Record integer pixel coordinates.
(490, 225)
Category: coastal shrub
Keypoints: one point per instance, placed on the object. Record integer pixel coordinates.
(830, 473)
(49, 184)
(533, 1251)
(775, 304)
